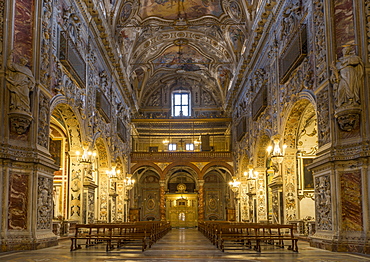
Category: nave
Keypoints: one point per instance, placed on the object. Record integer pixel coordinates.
(179, 245)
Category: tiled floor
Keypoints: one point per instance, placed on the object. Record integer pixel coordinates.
(178, 245)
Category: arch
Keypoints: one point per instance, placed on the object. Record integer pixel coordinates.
(292, 121)
(150, 164)
(180, 163)
(264, 139)
(177, 167)
(211, 166)
(71, 118)
(103, 153)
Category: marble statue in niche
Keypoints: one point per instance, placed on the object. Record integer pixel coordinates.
(20, 83)
(347, 78)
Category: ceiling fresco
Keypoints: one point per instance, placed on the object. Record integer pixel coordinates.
(199, 41)
(177, 9)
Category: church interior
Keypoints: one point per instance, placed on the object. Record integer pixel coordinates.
(185, 111)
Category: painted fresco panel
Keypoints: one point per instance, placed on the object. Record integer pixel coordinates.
(185, 58)
(170, 9)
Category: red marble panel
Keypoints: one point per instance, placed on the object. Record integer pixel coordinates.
(18, 202)
(351, 199)
(23, 25)
(344, 26)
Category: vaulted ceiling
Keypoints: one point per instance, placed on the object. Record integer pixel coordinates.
(169, 44)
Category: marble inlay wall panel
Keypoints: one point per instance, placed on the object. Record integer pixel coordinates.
(344, 27)
(18, 202)
(23, 25)
(350, 184)
(44, 203)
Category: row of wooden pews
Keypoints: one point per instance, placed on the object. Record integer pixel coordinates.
(250, 235)
(142, 234)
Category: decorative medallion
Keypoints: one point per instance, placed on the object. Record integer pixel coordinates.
(151, 204)
(181, 187)
(126, 13)
(235, 10)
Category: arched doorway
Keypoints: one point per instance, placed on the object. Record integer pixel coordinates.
(182, 198)
(301, 137)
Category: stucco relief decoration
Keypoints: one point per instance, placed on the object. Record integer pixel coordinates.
(104, 193)
(46, 42)
(44, 203)
(43, 125)
(320, 41)
(347, 79)
(20, 83)
(290, 19)
(76, 185)
(323, 203)
(2, 4)
(91, 205)
(367, 13)
(290, 191)
(235, 11)
(155, 99)
(261, 196)
(323, 116)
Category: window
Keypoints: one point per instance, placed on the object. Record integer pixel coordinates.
(189, 147)
(172, 147)
(181, 103)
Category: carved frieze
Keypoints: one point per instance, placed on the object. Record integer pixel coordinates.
(44, 203)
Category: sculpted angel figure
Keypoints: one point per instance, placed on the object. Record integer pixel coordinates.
(20, 82)
(347, 78)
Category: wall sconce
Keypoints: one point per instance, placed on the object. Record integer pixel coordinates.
(234, 185)
(129, 182)
(277, 154)
(87, 156)
(113, 173)
(250, 174)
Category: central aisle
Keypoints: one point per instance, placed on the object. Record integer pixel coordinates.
(177, 245)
